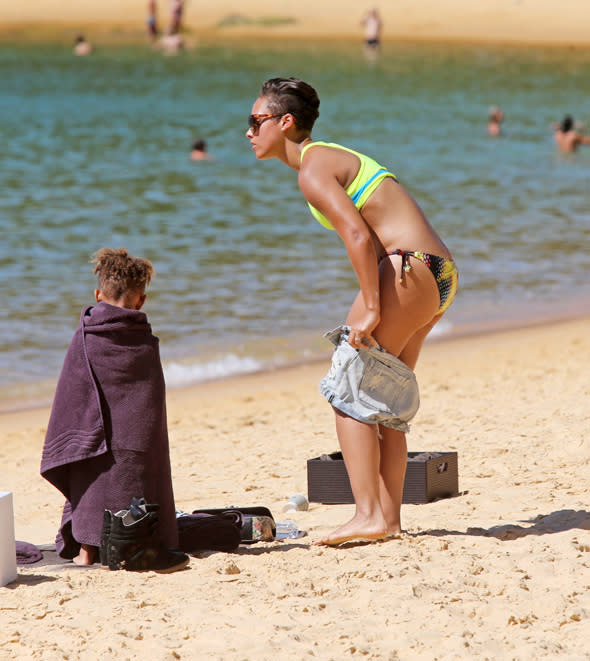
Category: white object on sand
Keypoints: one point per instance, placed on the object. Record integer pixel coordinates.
(8, 571)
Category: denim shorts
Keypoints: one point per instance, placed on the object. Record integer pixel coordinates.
(369, 384)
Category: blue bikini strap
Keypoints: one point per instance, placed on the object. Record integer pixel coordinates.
(362, 189)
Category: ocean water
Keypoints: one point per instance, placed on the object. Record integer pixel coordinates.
(95, 152)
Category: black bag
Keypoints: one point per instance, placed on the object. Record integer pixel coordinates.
(203, 531)
(256, 524)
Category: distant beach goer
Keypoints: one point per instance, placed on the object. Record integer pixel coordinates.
(495, 119)
(82, 47)
(176, 11)
(107, 437)
(152, 20)
(373, 25)
(567, 138)
(407, 280)
(199, 151)
(170, 44)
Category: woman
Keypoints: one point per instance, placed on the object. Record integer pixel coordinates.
(405, 272)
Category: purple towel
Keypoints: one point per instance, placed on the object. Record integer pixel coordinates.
(107, 438)
(27, 553)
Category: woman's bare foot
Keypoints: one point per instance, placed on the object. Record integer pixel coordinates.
(394, 531)
(394, 535)
(355, 530)
(87, 555)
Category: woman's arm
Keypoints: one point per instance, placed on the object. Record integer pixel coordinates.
(319, 183)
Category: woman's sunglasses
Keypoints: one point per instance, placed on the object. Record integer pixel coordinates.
(256, 121)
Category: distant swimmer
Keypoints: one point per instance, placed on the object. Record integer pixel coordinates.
(82, 47)
(495, 119)
(567, 138)
(199, 151)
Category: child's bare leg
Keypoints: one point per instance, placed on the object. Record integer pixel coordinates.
(360, 449)
(392, 472)
(87, 555)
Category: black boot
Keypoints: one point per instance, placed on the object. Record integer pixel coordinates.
(138, 509)
(132, 543)
(104, 537)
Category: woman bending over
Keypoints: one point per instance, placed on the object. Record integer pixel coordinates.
(406, 275)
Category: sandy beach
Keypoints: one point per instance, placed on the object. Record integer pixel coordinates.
(501, 571)
(517, 21)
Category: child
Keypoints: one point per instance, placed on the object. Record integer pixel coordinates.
(107, 438)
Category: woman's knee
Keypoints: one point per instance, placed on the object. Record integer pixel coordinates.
(411, 350)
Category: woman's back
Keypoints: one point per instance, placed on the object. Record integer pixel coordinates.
(394, 217)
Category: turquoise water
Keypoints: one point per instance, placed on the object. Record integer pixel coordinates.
(95, 153)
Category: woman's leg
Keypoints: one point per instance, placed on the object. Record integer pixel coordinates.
(392, 473)
(376, 467)
(394, 449)
(407, 307)
(360, 449)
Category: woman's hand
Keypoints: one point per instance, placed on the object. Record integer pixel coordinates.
(361, 330)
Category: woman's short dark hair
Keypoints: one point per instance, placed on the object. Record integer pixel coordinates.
(291, 95)
(567, 123)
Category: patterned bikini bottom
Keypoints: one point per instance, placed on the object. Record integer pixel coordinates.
(444, 271)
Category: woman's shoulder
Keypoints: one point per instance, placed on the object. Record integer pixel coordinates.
(314, 143)
(324, 143)
(326, 158)
(328, 151)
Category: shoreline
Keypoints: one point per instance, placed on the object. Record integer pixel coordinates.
(32, 34)
(463, 333)
(487, 21)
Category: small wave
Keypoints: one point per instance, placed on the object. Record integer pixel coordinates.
(177, 374)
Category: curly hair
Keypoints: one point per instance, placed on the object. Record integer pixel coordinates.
(119, 273)
(291, 95)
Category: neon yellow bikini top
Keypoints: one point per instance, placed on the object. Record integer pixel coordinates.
(368, 177)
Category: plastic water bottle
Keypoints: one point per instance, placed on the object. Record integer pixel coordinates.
(297, 502)
(287, 530)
